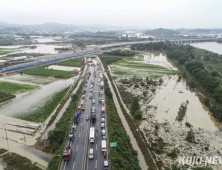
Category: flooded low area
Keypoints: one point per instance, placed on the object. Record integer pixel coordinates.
(39, 48)
(46, 39)
(64, 68)
(31, 101)
(171, 95)
(210, 46)
(28, 79)
(157, 58)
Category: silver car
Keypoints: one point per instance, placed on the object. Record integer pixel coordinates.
(103, 120)
(102, 125)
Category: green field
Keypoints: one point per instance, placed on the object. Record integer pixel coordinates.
(43, 112)
(50, 72)
(134, 66)
(4, 51)
(14, 88)
(75, 62)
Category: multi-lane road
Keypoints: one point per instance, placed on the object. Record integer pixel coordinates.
(81, 146)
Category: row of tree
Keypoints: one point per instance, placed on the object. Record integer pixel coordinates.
(186, 55)
(150, 46)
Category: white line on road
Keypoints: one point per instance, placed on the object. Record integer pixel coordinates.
(77, 148)
(73, 165)
(79, 134)
(97, 123)
(96, 146)
(64, 166)
(96, 164)
(81, 124)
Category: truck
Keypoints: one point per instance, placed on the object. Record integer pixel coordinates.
(92, 135)
(93, 117)
(101, 84)
(67, 154)
(103, 145)
(82, 102)
(76, 118)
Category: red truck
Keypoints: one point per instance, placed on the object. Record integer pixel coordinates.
(67, 154)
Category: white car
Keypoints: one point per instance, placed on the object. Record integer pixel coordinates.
(103, 120)
(93, 101)
(101, 93)
(87, 117)
(103, 132)
(102, 125)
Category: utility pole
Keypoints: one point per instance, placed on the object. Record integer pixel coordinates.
(6, 137)
(24, 138)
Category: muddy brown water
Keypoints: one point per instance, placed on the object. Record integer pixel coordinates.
(168, 99)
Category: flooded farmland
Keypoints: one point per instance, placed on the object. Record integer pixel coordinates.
(30, 101)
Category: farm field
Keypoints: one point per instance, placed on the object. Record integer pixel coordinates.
(50, 72)
(75, 62)
(139, 67)
(15, 88)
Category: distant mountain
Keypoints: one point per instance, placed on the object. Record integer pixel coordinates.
(161, 32)
(48, 26)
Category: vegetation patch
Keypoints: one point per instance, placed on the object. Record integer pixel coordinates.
(117, 133)
(50, 72)
(2, 151)
(5, 96)
(14, 161)
(43, 112)
(73, 62)
(14, 88)
(137, 133)
(56, 145)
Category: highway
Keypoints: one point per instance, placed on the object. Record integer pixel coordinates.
(81, 145)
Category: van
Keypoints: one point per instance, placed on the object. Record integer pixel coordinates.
(91, 155)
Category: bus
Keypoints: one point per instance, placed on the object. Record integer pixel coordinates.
(92, 135)
(103, 145)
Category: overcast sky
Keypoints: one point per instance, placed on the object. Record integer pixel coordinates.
(142, 13)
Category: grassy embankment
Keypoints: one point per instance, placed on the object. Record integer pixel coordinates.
(14, 88)
(4, 51)
(73, 62)
(122, 157)
(50, 72)
(137, 133)
(13, 161)
(56, 144)
(43, 112)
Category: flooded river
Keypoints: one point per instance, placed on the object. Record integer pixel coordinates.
(210, 46)
(168, 99)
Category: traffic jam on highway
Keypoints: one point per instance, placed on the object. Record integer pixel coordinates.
(87, 139)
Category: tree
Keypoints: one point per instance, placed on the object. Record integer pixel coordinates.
(134, 106)
(215, 73)
(145, 92)
(138, 114)
(190, 136)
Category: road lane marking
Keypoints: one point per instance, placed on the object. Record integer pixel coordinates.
(73, 165)
(77, 147)
(97, 124)
(79, 134)
(96, 146)
(64, 166)
(96, 164)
